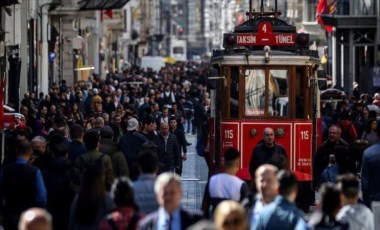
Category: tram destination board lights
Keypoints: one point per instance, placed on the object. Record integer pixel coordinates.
(265, 37)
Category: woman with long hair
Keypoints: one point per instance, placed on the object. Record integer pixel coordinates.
(126, 214)
(370, 134)
(92, 202)
(329, 205)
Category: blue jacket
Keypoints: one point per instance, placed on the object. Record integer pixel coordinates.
(370, 172)
(280, 212)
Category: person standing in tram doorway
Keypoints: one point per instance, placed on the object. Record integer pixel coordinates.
(268, 151)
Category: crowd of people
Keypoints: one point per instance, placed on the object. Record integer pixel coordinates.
(108, 154)
(92, 151)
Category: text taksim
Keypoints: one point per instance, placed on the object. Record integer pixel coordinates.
(246, 39)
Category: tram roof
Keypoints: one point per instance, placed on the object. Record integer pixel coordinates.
(256, 57)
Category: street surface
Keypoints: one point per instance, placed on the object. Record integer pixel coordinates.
(194, 176)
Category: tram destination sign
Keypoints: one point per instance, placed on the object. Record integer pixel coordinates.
(265, 36)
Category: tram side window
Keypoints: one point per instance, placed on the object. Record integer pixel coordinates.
(278, 92)
(234, 93)
(254, 92)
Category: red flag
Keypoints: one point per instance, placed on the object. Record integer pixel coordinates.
(109, 13)
(325, 8)
(320, 9)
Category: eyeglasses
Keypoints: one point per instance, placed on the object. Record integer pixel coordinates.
(231, 223)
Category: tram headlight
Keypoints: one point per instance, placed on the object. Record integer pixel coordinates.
(229, 40)
(303, 40)
(267, 51)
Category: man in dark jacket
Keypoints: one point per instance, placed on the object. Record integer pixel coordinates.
(57, 177)
(130, 144)
(169, 153)
(109, 147)
(91, 139)
(332, 146)
(265, 151)
(181, 140)
(370, 172)
(76, 147)
(21, 186)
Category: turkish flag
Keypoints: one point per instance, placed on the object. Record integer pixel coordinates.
(106, 12)
(324, 8)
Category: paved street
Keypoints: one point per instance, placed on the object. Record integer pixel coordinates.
(194, 176)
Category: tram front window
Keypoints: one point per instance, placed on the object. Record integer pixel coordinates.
(254, 92)
(280, 96)
(276, 96)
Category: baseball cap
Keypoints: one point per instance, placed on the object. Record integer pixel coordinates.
(133, 123)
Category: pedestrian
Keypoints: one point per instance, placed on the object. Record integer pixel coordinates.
(328, 149)
(144, 185)
(41, 157)
(58, 181)
(357, 215)
(230, 215)
(92, 202)
(325, 216)
(267, 189)
(265, 150)
(21, 186)
(369, 168)
(170, 215)
(225, 185)
(181, 138)
(130, 144)
(282, 211)
(149, 129)
(35, 218)
(126, 214)
(76, 147)
(169, 155)
(110, 147)
(94, 157)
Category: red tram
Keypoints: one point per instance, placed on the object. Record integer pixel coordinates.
(266, 76)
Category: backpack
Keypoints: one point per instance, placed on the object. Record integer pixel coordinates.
(346, 133)
(188, 109)
(76, 174)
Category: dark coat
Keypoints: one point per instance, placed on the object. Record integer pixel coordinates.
(322, 158)
(119, 164)
(60, 192)
(370, 172)
(130, 144)
(188, 218)
(262, 155)
(76, 149)
(172, 156)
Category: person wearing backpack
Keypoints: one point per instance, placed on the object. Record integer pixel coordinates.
(330, 147)
(126, 214)
(91, 140)
(349, 133)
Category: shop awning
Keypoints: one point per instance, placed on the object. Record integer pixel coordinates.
(101, 4)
